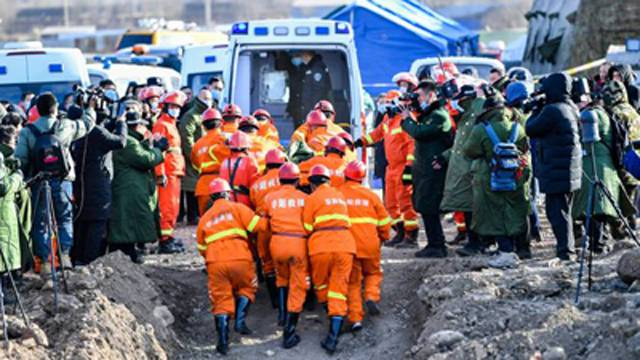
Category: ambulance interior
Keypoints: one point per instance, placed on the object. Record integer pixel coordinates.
(258, 84)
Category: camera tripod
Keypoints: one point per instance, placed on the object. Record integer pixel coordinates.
(5, 327)
(596, 188)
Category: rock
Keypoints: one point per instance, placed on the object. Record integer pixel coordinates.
(554, 353)
(29, 343)
(445, 338)
(66, 303)
(270, 353)
(634, 344)
(629, 266)
(634, 287)
(165, 316)
(624, 244)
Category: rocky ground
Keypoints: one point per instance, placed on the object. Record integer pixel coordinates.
(453, 308)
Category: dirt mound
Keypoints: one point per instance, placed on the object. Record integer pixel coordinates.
(112, 311)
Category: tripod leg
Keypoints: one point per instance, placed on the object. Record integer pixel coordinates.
(615, 206)
(5, 327)
(15, 289)
(585, 238)
(49, 225)
(54, 225)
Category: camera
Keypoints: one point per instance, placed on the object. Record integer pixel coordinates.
(535, 102)
(580, 88)
(448, 89)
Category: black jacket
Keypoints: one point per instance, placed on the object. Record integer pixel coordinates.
(557, 138)
(94, 168)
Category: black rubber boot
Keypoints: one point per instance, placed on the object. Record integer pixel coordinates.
(372, 308)
(242, 308)
(432, 252)
(410, 240)
(289, 336)
(330, 343)
(222, 327)
(171, 246)
(523, 246)
(282, 305)
(310, 301)
(270, 280)
(399, 237)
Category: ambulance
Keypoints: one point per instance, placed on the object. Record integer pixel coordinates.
(200, 63)
(481, 64)
(37, 69)
(123, 74)
(252, 80)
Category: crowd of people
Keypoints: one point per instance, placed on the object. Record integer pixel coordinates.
(96, 174)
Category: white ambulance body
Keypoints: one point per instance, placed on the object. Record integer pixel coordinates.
(36, 69)
(122, 74)
(252, 80)
(200, 63)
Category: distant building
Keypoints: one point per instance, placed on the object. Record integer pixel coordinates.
(28, 18)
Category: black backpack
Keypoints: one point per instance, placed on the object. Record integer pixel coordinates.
(619, 142)
(48, 155)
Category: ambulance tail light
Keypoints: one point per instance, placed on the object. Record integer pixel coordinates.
(55, 68)
(241, 28)
(342, 28)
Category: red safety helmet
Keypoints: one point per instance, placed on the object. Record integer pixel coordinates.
(150, 92)
(211, 114)
(336, 143)
(320, 170)
(347, 138)
(316, 118)
(261, 113)
(355, 170)
(406, 77)
(239, 141)
(231, 110)
(289, 171)
(219, 185)
(249, 121)
(177, 98)
(325, 106)
(33, 114)
(275, 156)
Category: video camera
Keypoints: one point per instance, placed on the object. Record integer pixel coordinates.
(448, 90)
(580, 87)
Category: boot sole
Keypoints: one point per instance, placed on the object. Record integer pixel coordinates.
(292, 343)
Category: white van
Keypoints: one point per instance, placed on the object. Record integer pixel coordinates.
(483, 65)
(122, 74)
(38, 69)
(252, 80)
(200, 63)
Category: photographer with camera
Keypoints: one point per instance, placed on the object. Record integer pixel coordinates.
(558, 151)
(433, 134)
(43, 149)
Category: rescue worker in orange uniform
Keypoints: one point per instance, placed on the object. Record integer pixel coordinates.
(207, 155)
(331, 249)
(170, 171)
(231, 115)
(150, 98)
(259, 145)
(350, 154)
(333, 159)
(239, 169)
(223, 241)
(268, 129)
(406, 81)
(370, 226)
(266, 184)
(283, 208)
(398, 147)
(304, 131)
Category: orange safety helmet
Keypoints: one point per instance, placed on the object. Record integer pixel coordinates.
(177, 98)
(347, 138)
(325, 106)
(336, 143)
(33, 114)
(239, 141)
(275, 156)
(392, 95)
(289, 171)
(211, 114)
(231, 110)
(316, 118)
(406, 77)
(249, 121)
(261, 113)
(320, 170)
(218, 185)
(355, 170)
(150, 92)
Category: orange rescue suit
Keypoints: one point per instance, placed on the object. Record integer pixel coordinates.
(283, 208)
(245, 171)
(207, 155)
(370, 225)
(223, 241)
(331, 246)
(173, 168)
(303, 132)
(269, 132)
(263, 186)
(259, 148)
(334, 162)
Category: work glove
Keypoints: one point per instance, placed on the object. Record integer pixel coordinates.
(407, 175)
(358, 144)
(161, 180)
(438, 162)
(162, 144)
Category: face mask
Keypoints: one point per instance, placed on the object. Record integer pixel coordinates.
(296, 61)
(216, 95)
(207, 102)
(404, 89)
(173, 113)
(382, 108)
(111, 95)
(424, 105)
(154, 106)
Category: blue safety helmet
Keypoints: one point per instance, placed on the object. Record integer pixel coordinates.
(516, 92)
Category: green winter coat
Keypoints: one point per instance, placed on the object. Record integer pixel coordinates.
(190, 128)
(458, 193)
(607, 173)
(497, 213)
(10, 185)
(135, 216)
(432, 135)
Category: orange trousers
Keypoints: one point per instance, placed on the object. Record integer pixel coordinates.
(262, 244)
(330, 273)
(203, 201)
(369, 271)
(292, 269)
(228, 280)
(169, 202)
(397, 198)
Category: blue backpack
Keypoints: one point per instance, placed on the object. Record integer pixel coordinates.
(505, 162)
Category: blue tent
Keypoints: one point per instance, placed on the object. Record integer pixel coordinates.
(391, 34)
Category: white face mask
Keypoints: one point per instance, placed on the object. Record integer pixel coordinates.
(154, 106)
(173, 113)
(382, 108)
(404, 89)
